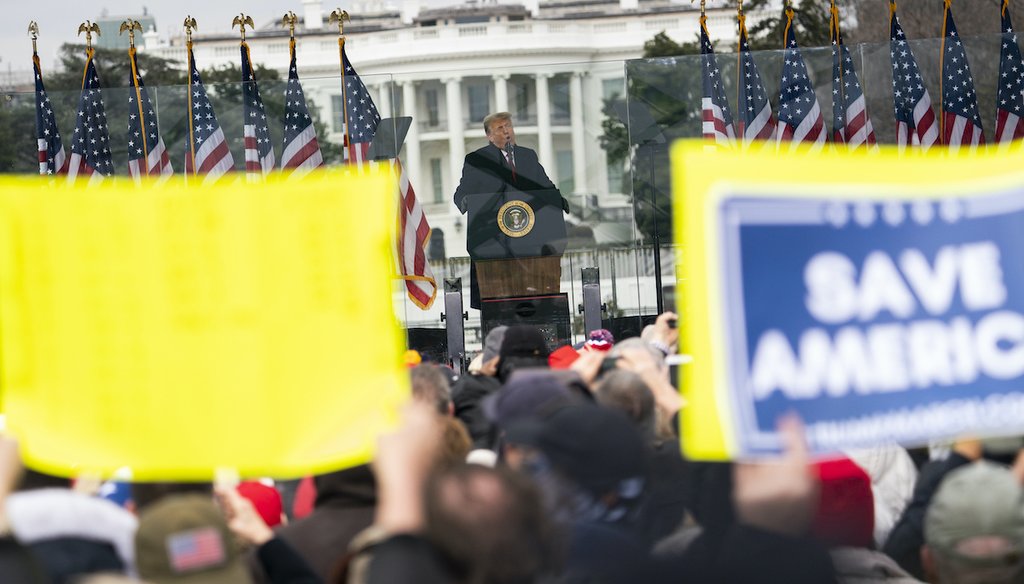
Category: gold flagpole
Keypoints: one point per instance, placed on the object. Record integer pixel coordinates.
(739, 55)
(340, 16)
(131, 26)
(190, 24)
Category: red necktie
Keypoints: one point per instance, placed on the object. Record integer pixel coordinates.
(511, 165)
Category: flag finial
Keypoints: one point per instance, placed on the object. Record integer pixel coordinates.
(33, 31)
(340, 16)
(703, 6)
(131, 26)
(190, 25)
(289, 20)
(241, 21)
(88, 28)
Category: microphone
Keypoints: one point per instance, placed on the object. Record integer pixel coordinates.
(509, 152)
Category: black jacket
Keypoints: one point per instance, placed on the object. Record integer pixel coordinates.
(486, 172)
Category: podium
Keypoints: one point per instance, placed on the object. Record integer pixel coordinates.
(516, 239)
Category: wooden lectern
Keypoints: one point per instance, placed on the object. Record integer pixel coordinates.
(516, 239)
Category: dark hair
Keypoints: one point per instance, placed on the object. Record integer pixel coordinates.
(491, 524)
(33, 479)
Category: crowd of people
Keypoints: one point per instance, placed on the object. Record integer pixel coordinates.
(540, 467)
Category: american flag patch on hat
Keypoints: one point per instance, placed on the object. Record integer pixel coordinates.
(196, 549)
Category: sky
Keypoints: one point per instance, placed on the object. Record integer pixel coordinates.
(59, 19)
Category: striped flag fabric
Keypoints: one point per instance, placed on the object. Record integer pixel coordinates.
(259, 149)
(755, 120)
(361, 123)
(916, 125)
(800, 117)
(207, 154)
(961, 120)
(851, 124)
(90, 144)
(1010, 94)
(361, 115)
(52, 159)
(718, 126)
(147, 155)
(300, 152)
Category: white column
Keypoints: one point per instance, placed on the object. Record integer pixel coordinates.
(599, 171)
(411, 160)
(384, 103)
(545, 149)
(500, 92)
(579, 143)
(456, 130)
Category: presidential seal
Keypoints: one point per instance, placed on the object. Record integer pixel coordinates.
(515, 218)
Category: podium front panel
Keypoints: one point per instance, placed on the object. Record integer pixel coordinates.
(549, 313)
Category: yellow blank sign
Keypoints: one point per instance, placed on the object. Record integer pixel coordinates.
(177, 331)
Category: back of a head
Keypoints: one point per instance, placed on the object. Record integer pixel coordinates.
(974, 526)
(430, 385)
(625, 391)
(491, 523)
(522, 347)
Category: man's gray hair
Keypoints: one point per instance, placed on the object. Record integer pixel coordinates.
(491, 118)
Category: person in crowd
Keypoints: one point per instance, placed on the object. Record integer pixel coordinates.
(893, 473)
(266, 500)
(432, 386)
(473, 387)
(523, 347)
(907, 536)
(493, 169)
(344, 506)
(974, 527)
(665, 509)
(171, 534)
(71, 533)
(844, 521)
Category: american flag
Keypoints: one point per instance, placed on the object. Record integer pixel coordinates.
(717, 119)
(51, 150)
(961, 121)
(90, 145)
(147, 155)
(1010, 98)
(915, 121)
(300, 151)
(197, 549)
(800, 119)
(413, 230)
(207, 154)
(755, 115)
(850, 122)
(259, 150)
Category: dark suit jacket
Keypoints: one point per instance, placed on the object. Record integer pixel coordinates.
(486, 172)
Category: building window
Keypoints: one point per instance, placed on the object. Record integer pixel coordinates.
(275, 48)
(437, 180)
(225, 51)
(560, 100)
(616, 177)
(337, 114)
(613, 88)
(433, 111)
(566, 182)
(479, 102)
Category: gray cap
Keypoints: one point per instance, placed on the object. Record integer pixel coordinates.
(978, 500)
(492, 344)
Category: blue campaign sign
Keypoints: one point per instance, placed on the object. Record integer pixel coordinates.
(876, 319)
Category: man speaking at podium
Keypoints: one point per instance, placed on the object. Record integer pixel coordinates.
(500, 166)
